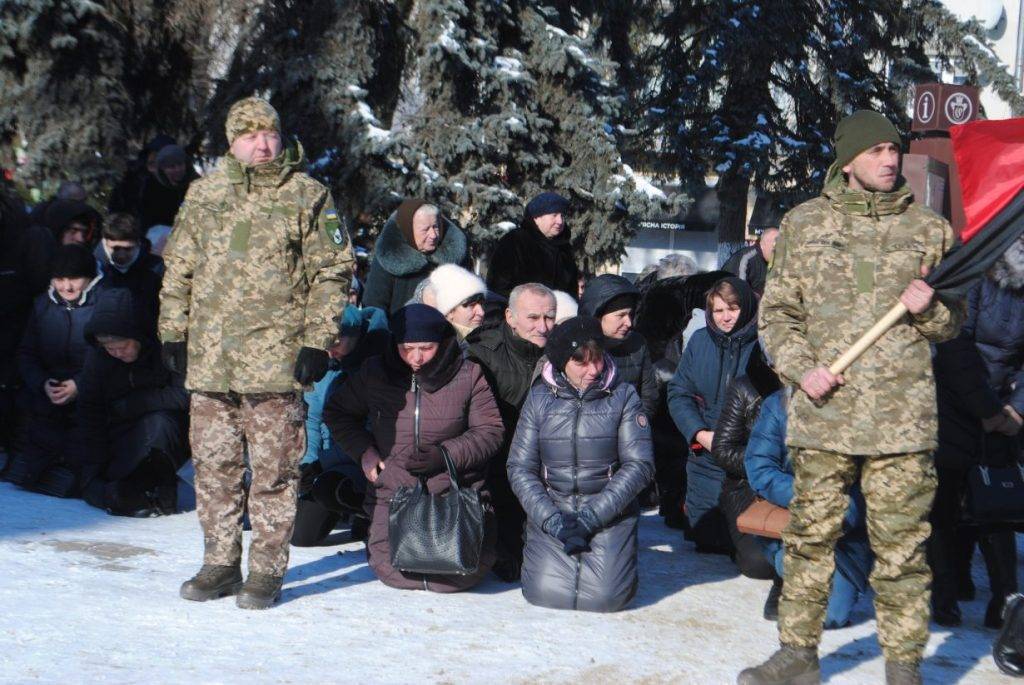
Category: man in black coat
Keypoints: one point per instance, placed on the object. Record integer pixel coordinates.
(612, 300)
(133, 415)
(508, 352)
(539, 251)
(126, 262)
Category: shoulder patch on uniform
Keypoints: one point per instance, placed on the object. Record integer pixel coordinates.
(332, 224)
(641, 420)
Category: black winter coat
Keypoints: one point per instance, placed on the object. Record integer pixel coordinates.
(632, 358)
(508, 362)
(54, 343)
(981, 370)
(571, 450)
(397, 267)
(159, 199)
(112, 392)
(750, 265)
(143, 279)
(25, 253)
(735, 422)
(524, 255)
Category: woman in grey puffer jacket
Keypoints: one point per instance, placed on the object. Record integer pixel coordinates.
(580, 457)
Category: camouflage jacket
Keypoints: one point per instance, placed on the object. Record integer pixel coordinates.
(841, 263)
(258, 265)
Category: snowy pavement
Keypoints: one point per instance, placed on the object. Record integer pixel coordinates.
(86, 597)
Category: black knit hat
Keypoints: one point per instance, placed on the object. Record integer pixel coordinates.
(420, 323)
(72, 261)
(569, 336)
(547, 203)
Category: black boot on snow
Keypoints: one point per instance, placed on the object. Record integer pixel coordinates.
(212, 582)
(1008, 648)
(901, 673)
(259, 592)
(771, 605)
(788, 666)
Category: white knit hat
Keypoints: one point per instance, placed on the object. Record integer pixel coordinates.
(453, 285)
(565, 306)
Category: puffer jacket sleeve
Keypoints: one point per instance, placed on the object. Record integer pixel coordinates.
(649, 394)
(328, 258)
(181, 257)
(30, 364)
(524, 466)
(636, 461)
(960, 369)
(682, 397)
(731, 434)
(485, 431)
(766, 454)
(345, 414)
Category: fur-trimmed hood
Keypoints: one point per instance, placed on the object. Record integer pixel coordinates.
(1008, 271)
(400, 259)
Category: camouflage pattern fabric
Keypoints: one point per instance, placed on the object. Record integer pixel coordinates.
(273, 427)
(898, 489)
(250, 115)
(258, 265)
(841, 262)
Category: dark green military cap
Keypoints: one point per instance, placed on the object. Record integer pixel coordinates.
(862, 130)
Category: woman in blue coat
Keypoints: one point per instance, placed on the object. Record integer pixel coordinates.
(332, 484)
(713, 357)
(770, 473)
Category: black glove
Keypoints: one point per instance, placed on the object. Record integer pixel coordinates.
(587, 521)
(426, 461)
(311, 365)
(175, 356)
(308, 473)
(565, 526)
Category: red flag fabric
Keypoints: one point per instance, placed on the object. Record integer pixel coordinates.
(990, 161)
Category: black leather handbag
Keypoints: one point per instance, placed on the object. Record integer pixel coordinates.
(995, 486)
(436, 534)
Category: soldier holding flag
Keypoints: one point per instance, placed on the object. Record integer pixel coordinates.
(842, 260)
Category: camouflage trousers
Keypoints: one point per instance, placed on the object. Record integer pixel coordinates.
(898, 490)
(272, 426)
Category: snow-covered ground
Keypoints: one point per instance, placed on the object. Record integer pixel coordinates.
(86, 597)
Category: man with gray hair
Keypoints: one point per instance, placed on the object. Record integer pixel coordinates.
(508, 352)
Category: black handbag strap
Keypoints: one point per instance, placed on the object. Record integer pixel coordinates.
(450, 465)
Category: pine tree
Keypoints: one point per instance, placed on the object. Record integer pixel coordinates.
(84, 81)
(752, 91)
(477, 106)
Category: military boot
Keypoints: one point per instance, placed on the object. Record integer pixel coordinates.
(259, 592)
(212, 582)
(788, 666)
(902, 673)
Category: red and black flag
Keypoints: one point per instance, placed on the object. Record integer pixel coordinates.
(990, 161)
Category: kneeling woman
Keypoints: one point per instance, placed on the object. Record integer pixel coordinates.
(580, 457)
(398, 412)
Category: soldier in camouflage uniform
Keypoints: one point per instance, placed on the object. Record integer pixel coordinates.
(257, 266)
(842, 261)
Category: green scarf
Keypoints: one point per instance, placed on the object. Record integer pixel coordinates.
(861, 202)
(270, 174)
